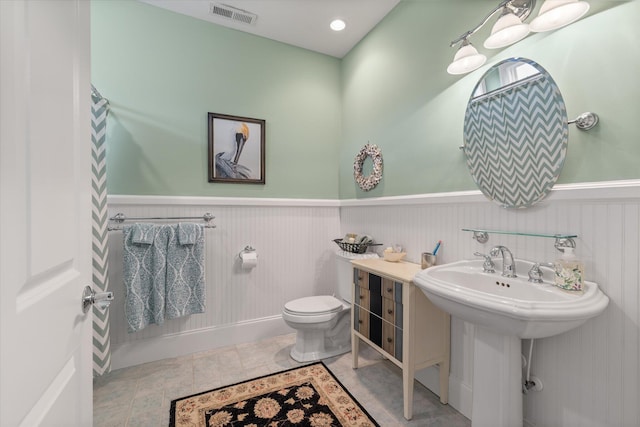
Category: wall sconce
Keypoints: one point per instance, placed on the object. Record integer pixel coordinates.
(511, 28)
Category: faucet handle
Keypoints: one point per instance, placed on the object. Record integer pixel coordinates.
(488, 266)
(535, 274)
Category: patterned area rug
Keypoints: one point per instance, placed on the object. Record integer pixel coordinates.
(305, 396)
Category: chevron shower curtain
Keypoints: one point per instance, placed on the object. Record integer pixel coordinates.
(101, 339)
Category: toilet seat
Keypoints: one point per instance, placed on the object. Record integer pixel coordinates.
(313, 306)
(313, 310)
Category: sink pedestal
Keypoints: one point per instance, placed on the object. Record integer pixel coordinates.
(497, 380)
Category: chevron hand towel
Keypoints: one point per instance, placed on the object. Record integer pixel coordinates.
(145, 275)
(185, 286)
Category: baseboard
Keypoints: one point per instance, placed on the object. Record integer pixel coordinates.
(184, 343)
(459, 392)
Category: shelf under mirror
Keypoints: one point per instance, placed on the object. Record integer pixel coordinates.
(563, 240)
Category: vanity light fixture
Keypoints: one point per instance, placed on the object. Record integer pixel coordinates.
(511, 28)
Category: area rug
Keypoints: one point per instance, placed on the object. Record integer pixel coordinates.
(306, 396)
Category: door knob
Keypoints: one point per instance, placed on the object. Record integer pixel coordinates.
(101, 299)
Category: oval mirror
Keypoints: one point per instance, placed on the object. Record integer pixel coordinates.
(515, 133)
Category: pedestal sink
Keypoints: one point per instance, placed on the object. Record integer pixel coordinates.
(505, 310)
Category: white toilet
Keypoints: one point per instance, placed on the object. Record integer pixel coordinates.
(323, 322)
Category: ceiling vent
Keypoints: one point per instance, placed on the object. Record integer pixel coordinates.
(233, 13)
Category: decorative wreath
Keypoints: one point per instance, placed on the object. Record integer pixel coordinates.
(367, 183)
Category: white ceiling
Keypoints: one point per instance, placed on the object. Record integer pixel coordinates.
(302, 23)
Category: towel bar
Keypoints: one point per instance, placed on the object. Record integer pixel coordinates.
(119, 218)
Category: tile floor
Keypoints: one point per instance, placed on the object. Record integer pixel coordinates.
(141, 395)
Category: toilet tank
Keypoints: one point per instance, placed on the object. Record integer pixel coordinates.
(344, 272)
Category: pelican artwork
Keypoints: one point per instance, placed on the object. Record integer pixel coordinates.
(227, 162)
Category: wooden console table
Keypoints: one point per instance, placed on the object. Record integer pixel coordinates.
(397, 320)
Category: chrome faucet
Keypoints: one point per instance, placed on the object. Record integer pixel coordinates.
(508, 266)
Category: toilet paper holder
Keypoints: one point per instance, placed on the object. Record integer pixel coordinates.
(248, 258)
(246, 250)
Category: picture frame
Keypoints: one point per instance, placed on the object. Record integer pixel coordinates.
(236, 149)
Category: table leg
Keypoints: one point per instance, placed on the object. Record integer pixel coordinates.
(355, 348)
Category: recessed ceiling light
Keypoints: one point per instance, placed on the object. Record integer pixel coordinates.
(337, 25)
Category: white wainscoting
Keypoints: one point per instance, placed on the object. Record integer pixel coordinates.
(591, 375)
(295, 259)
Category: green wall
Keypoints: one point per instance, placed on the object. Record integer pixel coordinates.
(162, 72)
(397, 94)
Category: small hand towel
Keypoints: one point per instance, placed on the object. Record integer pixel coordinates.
(187, 233)
(143, 233)
(363, 239)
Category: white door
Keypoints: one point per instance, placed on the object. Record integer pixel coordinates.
(45, 213)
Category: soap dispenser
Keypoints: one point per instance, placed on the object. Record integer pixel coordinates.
(569, 271)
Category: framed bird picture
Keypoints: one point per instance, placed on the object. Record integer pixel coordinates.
(236, 149)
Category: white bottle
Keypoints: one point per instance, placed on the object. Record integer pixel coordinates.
(569, 271)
